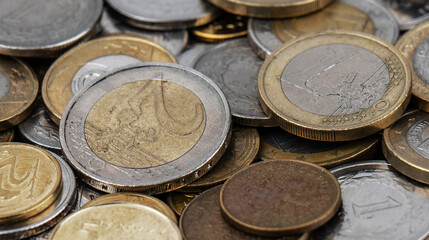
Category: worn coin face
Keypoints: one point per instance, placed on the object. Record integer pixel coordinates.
(192, 52)
(117, 221)
(234, 67)
(378, 203)
(225, 27)
(93, 59)
(179, 200)
(277, 198)
(164, 15)
(7, 135)
(312, 88)
(43, 28)
(408, 13)
(164, 126)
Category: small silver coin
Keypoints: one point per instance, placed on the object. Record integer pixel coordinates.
(164, 15)
(49, 217)
(378, 203)
(408, 13)
(44, 28)
(173, 41)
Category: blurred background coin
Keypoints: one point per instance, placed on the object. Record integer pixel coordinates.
(7, 135)
(179, 200)
(408, 13)
(226, 26)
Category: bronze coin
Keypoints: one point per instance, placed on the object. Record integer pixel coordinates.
(280, 197)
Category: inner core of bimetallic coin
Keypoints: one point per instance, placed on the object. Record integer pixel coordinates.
(145, 124)
(4, 85)
(418, 138)
(335, 79)
(93, 69)
(421, 61)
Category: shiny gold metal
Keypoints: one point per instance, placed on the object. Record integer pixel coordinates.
(116, 221)
(225, 27)
(271, 8)
(56, 87)
(18, 91)
(146, 200)
(362, 111)
(179, 200)
(31, 181)
(7, 135)
(407, 45)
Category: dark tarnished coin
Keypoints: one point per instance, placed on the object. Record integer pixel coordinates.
(227, 26)
(279, 144)
(179, 200)
(44, 28)
(378, 203)
(202, 219)
(408, 13)
(7, 135)
(276, 198)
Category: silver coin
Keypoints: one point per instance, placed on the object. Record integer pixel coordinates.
(235, 67)
(164, 15)
(173, 41)
(42, 28)
(408, 13)
(84, 195)
(49, 217)
(192, 53)
(421, 61)
(139, 145)
(264, 41)
(378, 203)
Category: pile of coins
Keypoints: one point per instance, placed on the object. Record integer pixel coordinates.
(214, 119)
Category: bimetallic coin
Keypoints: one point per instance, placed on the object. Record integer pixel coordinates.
(271, 8)
(117, 221)
(173, 41)
(378, 203)
(406, 145)
(234, 67)
(335, 86)
(164, 15)
(7, 135)
(163, 126)
(179, 200)
(31, 181)
(98, 55)
(283, 197)
(408, 13)
(225, 27)
(279, 144)
(44, 28)
(18, 91)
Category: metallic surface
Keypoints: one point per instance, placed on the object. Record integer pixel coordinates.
(353, 110)
(283, 197)
(7, 135)
(57, 84)
(44, 28)
(134, 128)
(378, 203)
(179, 200)
(408, 13)
(192, 52)
(164, 15)
(227, 26)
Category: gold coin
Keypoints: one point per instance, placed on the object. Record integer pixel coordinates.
(179, 200)
(414, 45)
(18, 91)
(146, 200)
(225, 27)
(7, 135)
(58, 85)
(271, 8)
(406, 145)
(241, 152)
(335, 86)
(30, 181)
(116, 221)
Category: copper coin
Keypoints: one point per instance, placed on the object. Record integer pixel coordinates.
(281, 197)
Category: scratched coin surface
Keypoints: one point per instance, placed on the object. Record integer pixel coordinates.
(164, 15)
(406, 145)
(378, 203)
(116, 221)
(234, 67)
(408, 13)
(241, 152)
(43, 28)
(96, 57)
(179, 200)
(312, 88)
(279, 144)
(18, 91)
(276, 198)
(202, 219)
(163, 126)
(31, 181)
(7, 135)
(227, 26)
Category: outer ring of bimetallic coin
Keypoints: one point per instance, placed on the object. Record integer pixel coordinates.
(54, 50)
(317, 127)
(275, 10)
(281, 231)
(80, 55)
(166, 177)
(50, 216)
(407, 45)
(399, 153)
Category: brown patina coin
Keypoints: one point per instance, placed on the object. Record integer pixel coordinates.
(281, 197)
